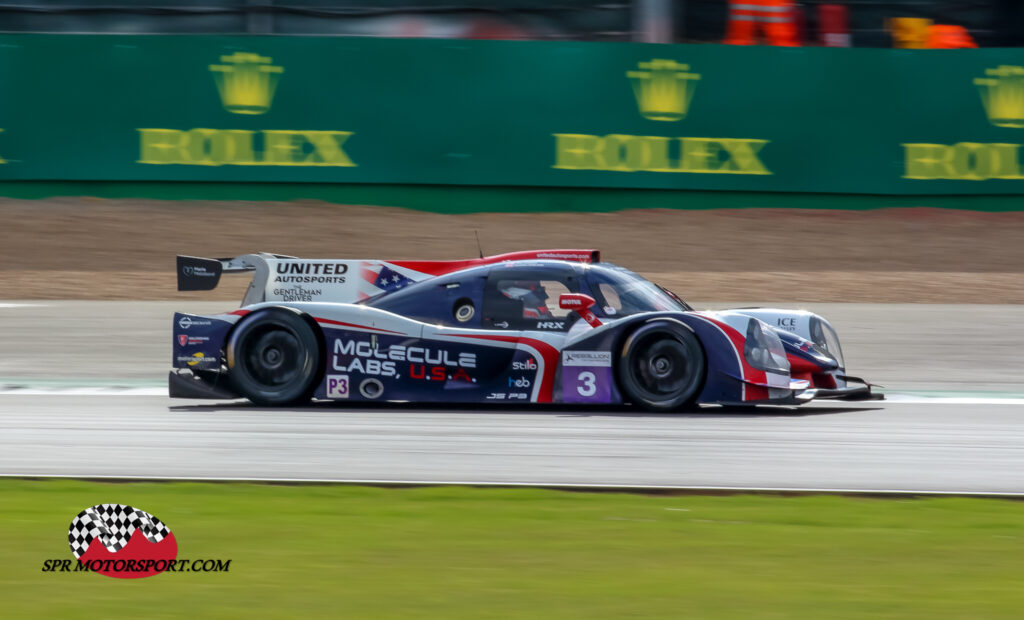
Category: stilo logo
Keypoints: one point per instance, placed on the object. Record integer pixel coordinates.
(121, 541)
(182, 339)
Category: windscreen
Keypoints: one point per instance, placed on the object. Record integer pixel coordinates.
(620, 292)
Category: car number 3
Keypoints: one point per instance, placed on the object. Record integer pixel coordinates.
(589, 384)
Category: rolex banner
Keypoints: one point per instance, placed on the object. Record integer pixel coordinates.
(366, 110)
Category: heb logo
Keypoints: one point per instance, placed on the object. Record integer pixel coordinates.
(121, 541)
(521, 382)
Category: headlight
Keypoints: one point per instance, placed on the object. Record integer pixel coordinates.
(764, 350)
(826, 340)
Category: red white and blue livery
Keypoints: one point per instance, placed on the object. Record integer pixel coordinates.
(541, 326)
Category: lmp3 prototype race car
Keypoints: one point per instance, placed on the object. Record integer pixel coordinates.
(543, 326)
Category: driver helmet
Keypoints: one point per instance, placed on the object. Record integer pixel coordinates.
(530, 292)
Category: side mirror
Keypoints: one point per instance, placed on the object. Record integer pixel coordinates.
(580, 304)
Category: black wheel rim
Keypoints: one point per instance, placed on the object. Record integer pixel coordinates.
(662, 367)
(272, 356)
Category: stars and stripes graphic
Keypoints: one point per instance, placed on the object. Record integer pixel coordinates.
(389, 280)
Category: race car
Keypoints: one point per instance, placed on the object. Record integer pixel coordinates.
(539, 326)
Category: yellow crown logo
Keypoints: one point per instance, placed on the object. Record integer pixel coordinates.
(663, 89)
(246, 82)
(1002, 93)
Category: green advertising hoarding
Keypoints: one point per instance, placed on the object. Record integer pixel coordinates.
(366, 110)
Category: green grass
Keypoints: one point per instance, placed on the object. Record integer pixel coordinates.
(356, 552)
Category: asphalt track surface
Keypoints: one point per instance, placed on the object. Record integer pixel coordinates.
(80, 396)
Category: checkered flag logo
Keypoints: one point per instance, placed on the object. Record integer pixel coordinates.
(112, 525)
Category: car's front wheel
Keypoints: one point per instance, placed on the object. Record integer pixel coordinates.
(662, 367)
(274, 357)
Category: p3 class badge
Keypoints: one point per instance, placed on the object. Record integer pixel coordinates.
(337, 386)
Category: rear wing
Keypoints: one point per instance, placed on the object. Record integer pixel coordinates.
(278, 277)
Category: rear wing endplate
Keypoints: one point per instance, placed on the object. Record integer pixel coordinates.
(203, 274)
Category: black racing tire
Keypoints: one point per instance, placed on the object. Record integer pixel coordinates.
(274, 357)
(662, 367)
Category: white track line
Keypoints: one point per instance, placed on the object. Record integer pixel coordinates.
(548, 485)
(912, 399)
(14, 389)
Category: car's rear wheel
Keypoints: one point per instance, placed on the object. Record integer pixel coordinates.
(274, 357)
(662, 367)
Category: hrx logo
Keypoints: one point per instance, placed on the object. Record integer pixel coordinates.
(550, 324)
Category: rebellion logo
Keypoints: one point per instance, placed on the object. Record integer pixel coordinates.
(246, 84)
